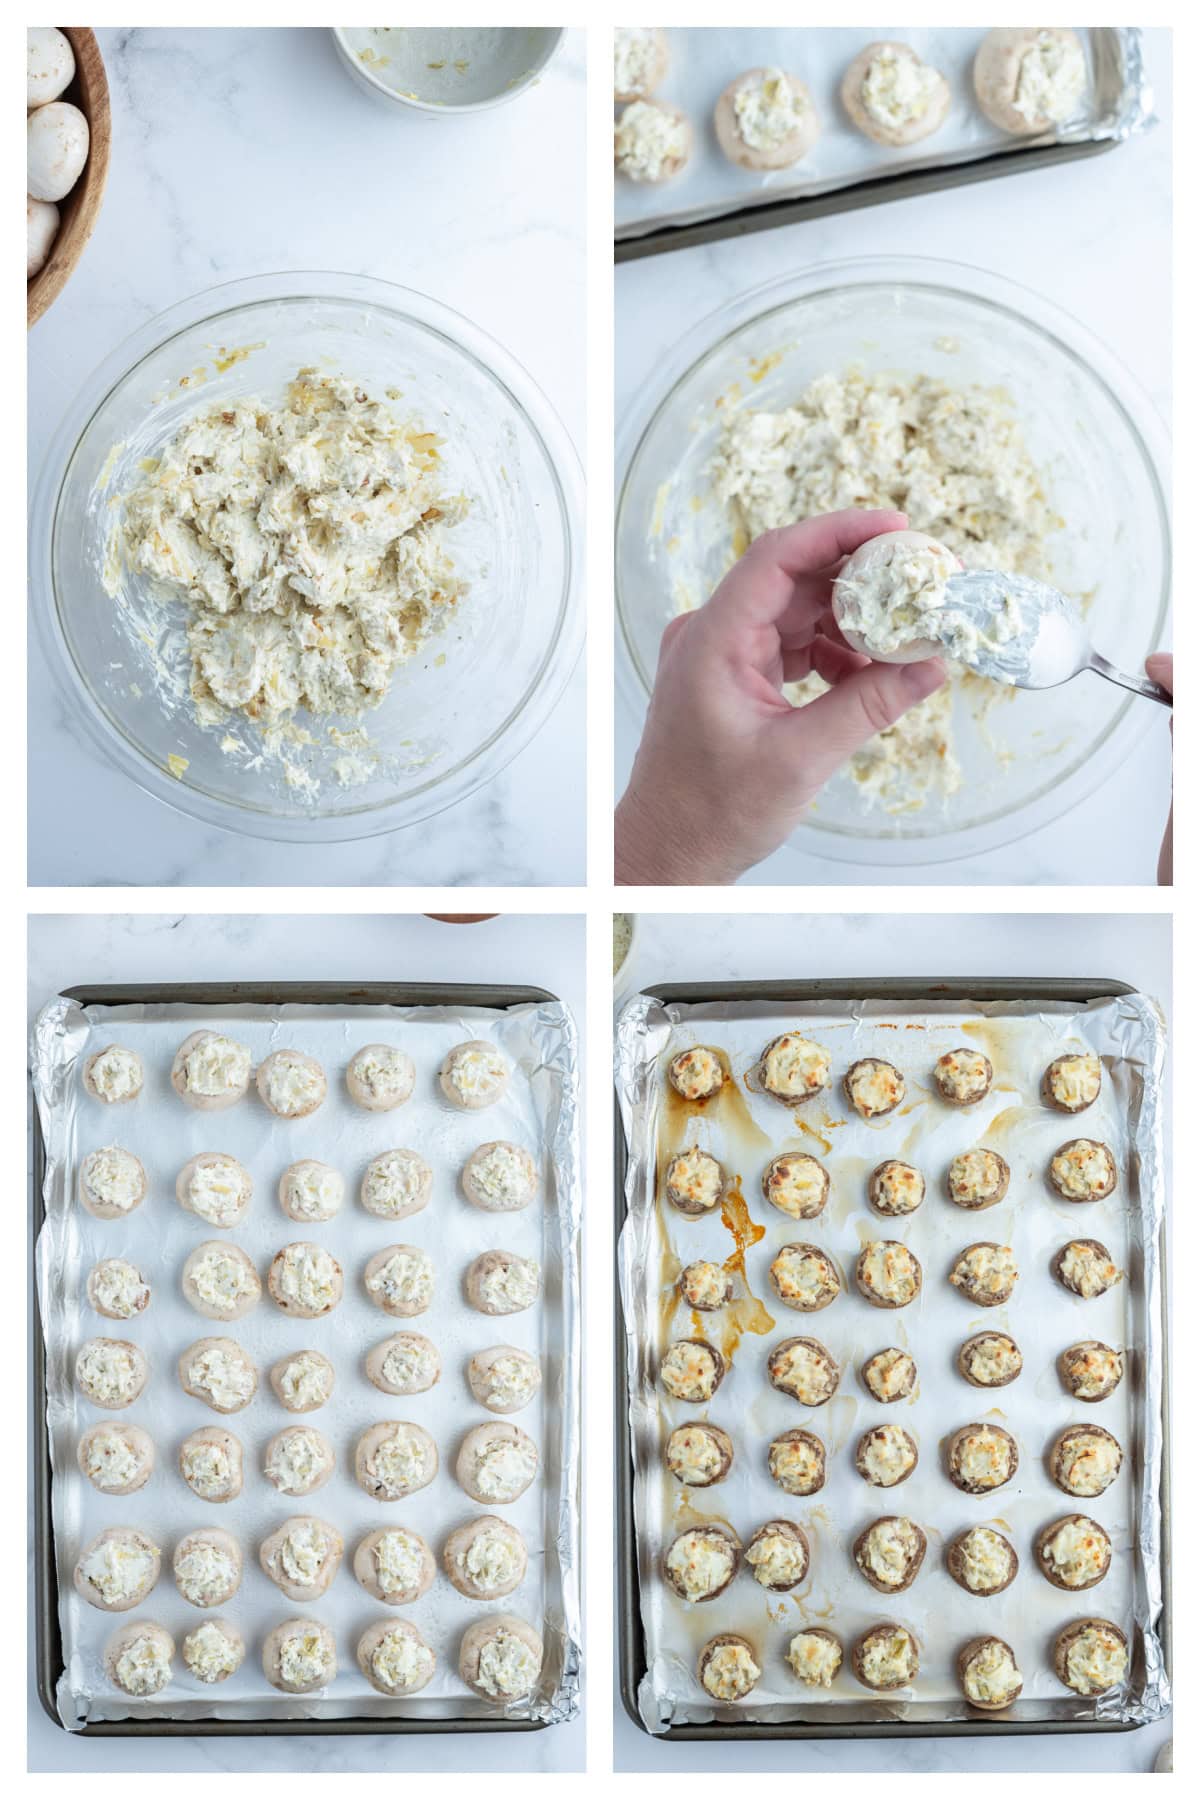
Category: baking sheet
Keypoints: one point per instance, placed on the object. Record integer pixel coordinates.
(539, 1110)
(744, 1131)
(704, 60)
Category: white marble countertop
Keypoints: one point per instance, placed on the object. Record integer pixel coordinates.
(717, 946)
(237, 152)
(64, 951)
(1092, 236)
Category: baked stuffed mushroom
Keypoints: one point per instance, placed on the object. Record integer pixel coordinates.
(982, 1561)
(701, 1562)
(1074, 1552)
(803, 1368)
(1084, 1460)
(888, 1274)
(977, 1179)
(815, 1656)
(796, 1460)
(985, 1274)
(963, 1077)
(778, 1555)
(1072, 1083)
(1085, 1267)
(804, 1278)
(990, 1359)
(1083, 1171)
(727, 1667)
(698, 1074)
(692, 1371)
(895, 1189)
(889, 1375)
(695, 1182)
(988, 1674)
(699, 1455)
(981, 1458)
(872, 1087)
(1091, 1656)
(796, 1184)
(889, 1553)
(794, 1068)
(886, 1456)
(706, 1286)
(1091, 1371)
(885, 1658)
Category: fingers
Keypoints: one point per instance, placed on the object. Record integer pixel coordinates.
(855, 710)
(1161, 668)
(761, 586)
(827, 657)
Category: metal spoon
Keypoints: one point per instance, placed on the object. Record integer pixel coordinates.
(1052, 645)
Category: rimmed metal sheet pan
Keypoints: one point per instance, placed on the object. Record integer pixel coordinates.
(332, 1020)
(739, 1014)
(846, 171)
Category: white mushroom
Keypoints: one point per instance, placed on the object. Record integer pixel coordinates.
(57, 141)
(50, 64)
(41, 221)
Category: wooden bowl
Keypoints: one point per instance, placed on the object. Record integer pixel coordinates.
(81, 208)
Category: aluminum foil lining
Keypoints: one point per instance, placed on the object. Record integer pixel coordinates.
(744, 1130)
(540, 1110)
(1118, 104)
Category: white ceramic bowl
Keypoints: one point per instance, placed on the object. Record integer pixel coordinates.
(1090, 430)
(442, 69)
(480, 688)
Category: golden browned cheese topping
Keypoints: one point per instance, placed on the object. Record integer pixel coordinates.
(801, 1370)
(689, 1371)
(695, 1455)
(1088, 1461)
(898, 1188)
(814, 1659)
(890, 1374)
(1096, 1659)
(705, 1285)
(1074, 1081)
(985, 1269)
(794, 1067)
(984, 1457)
(730, 1671)
(886, 1455)
(1088, 1270)
(1077, 1552)
(993, 1359)
(796, 1464)
(889, 1549)
(1083, 1169)
(963, 1074)
(975, 1175)
(890, 1271)
(697, 1073)
(874, 1087)
(696, 1178)
(991, 1676)
(804, 1277)
(699, 1562)
(1092, 1369)
(888, 1657)
(797, 1185)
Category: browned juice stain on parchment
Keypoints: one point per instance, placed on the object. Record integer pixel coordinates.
(745, 1312)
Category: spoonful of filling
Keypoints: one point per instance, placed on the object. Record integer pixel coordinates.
(902, 597)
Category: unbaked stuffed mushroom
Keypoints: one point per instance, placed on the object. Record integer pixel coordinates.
(395, 1658)
(500, 1658)
(496, 1462)
(474, 1075)
(394, 1458)
(302, 1556)
(291, 1084)
(138, 1656)
(395, 1565)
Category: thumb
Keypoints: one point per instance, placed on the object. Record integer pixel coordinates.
(854, 711)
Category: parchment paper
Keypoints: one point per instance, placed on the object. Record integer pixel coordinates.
(744, 1131)
(540, 1111)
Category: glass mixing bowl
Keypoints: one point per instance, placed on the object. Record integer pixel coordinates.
(1093, 435)
(478, 690)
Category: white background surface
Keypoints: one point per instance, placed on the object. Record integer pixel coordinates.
(64, 951)
(718, 947)
(1095, 237)
(242, 151)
